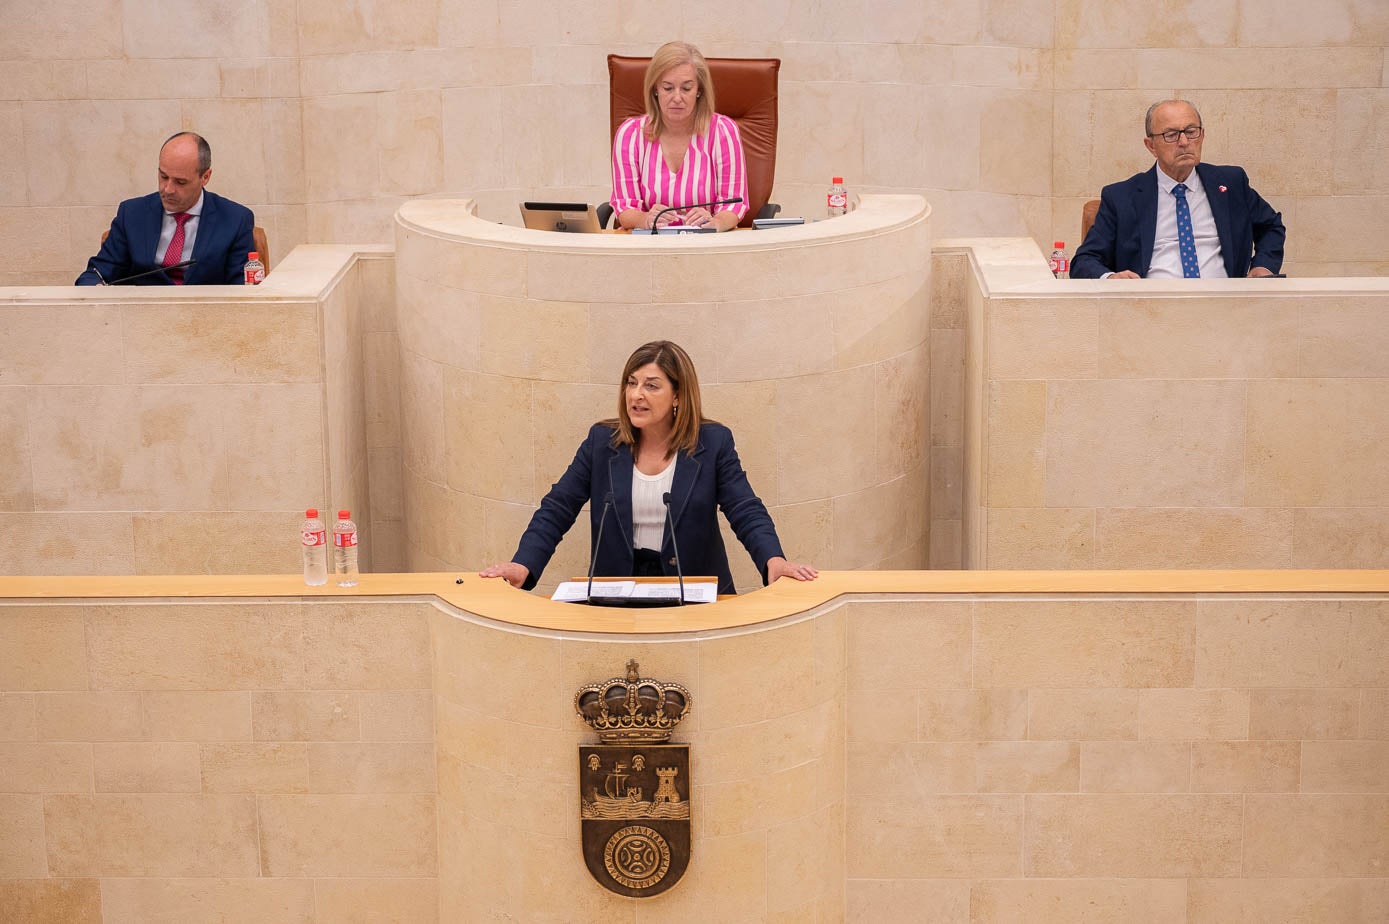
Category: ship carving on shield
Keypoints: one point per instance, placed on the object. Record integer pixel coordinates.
(634, 787)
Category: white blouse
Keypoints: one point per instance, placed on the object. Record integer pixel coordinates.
(648, 509)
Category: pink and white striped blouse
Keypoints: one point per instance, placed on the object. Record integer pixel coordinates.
(713, 169)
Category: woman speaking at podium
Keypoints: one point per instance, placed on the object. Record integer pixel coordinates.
(681, 152)
(660, 445)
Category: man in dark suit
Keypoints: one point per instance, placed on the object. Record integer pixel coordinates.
(1182, 218)
(180, 222)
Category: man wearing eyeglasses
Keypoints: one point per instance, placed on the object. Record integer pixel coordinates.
(1182, 218)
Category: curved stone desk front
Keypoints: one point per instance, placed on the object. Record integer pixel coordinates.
(812, 343)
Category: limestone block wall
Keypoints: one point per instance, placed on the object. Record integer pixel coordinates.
(1006, 116)
(812, 346)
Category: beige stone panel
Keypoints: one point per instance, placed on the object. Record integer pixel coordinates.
(747, 679)
(1276, 643)
(38, 240)
(197, 716)
(1017, 433)
(813, 867)
(1240, 130)
(348, 835)
(525, 655)
(1361, 117)
(365, 901)
(1086, 714)
(1101, 439)
(904, 146)
(910, 771)
(1337, 835)
(448, 524)
(410, 127)
(946, 545)
(17, 720)
(1010, 120)
(830, 146)
(22, 837)
(1042, 339)
(212, 543)
(1129, 643)
(255, 767)
(1341, 22)
(341, 171)
(516, 339)
(61, 345)
(1027, 766)
(901, 646)
(970, 715)
(151, 835)
(196, 647)
(883, 527)
(1193, 714)
(1194, 537)
(48, 766)
(1041, 538)
(472, 132)
(365, 646)
(931, 901)
(593, 275)
(1089, 24)
(388, 546)
(67, 29)
(42, 648)
(282, 141)
(948, 836)
(1135, 766)
(112, 149)
(259, 467)
(394, 767)
(214, 29)
(1244, 766)
(821, 417)
(422, 418)
(310, 716)
(13, 163)
(1345, 766)
(1303, 714)
(486, 452)
(97, 716)
(1135, 901)
(387, 490)
(902, 413)
(1342, 339)
(771, 800)
(951, 274)
(1192, 339)
(397, 715)
(1100, 131)
(1341, 229)
(735, 752)
(44, 79)
(148, 767)
(1314, 442)
(1369, 640)
(1260, 68)
(53, 901)
(351, 221)
(218, 343)
(1287, 901)
(244, 901)
(1122, 835)
(947, 388)
(1374, 713)
(874, 725)
(781, 338)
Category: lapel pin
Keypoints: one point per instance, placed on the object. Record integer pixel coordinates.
(1222, 189)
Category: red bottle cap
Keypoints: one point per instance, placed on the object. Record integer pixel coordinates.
(344, 514)
(311, 513)
(1058, 244)
(837, 179)
(253, 255)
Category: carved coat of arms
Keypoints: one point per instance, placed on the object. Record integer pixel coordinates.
(634, 787)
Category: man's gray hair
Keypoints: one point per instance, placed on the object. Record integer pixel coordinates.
(1148, 118)
(204, 149)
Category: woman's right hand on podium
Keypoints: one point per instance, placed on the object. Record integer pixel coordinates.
(515, 574)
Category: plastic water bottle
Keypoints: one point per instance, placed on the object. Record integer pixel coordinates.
(838, 198)
(314, 535)
(1060, 266)
(255, 270)
(345, 549)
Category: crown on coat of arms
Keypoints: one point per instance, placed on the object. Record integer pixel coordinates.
(627, 710)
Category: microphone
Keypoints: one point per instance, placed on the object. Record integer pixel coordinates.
(656, 225)
(157, 269)
(593, 556)
(679, 572)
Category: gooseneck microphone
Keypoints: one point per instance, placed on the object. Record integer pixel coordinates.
(158, 269)
(593, 555)
(679, 572)
(656, 225)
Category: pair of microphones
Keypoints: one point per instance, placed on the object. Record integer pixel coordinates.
(593, 560)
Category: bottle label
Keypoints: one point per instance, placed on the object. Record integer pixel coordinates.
(1059, 264)
(837, 200)
(255, 275)
(345, 540)
(313, 537)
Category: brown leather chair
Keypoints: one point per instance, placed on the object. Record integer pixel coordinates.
(257, 235)
(1087, 217)
(745, 90)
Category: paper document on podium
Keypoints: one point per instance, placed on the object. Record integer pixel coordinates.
(695, 591)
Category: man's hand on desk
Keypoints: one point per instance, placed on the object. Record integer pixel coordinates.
(1126, 274)
(1260, 271)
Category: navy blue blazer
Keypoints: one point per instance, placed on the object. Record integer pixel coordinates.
(1122, 236)
(705, 481)
(224, 238)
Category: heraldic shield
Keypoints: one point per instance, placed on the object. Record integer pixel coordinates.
(634, 788)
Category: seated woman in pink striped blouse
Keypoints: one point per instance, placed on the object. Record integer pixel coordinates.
(681, 152)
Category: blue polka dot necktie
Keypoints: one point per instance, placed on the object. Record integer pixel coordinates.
(1186, 240)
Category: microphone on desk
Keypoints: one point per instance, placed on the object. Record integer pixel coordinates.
(679, 572)
(656, 225)
(593, 555)
(157, 269)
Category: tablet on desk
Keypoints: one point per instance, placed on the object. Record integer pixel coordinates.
(572, 217)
